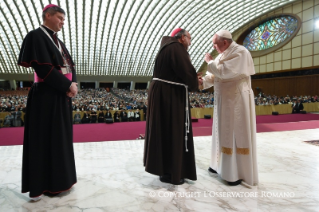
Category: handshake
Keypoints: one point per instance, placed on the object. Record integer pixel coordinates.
(200, 79)
(208, 78)
(73, 90)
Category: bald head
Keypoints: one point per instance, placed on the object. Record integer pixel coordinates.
(184, 38)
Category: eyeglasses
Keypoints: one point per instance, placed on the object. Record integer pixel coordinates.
(188, 37)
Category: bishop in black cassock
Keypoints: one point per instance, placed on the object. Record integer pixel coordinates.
(48, 165)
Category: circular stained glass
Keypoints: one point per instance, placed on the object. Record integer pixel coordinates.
(271, 33)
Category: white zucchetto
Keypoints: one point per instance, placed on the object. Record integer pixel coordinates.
(224, 33)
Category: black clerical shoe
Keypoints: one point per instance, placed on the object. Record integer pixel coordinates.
(212, 170)
(234, 183)
(167, 179)
(181, 182)
(49, 194)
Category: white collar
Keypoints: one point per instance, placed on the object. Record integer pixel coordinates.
(54, 32)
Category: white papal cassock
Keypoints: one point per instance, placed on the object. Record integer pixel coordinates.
(234, 121)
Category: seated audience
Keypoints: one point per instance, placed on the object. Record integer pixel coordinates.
(123, 116)
(16, 122)
(108, 117)
(93, 116)
(101, 117)
(297, 107)
(116, 116)
(135, 101)
(77, 117)
(86, 117)
(137, 115)
(8, 120)
(130, 115)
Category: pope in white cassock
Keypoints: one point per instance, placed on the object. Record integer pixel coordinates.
(233, 154)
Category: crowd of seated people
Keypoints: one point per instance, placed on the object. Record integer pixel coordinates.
(201, 99)
(13, 119)
(13, 100)
(120, 105)
(297, 106)
(263, 99)
(131, 96)
(116, 106)
(99, 99)
(13, 103)
(107, 117)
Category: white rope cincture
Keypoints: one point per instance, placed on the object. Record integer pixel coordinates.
(187, 122)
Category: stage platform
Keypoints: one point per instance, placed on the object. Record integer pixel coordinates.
(111, 177)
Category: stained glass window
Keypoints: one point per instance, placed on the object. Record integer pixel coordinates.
(271, 33)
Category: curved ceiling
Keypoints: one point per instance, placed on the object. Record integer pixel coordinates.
(122, 37)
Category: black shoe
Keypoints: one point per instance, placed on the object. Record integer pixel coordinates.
(166, 179)
(49, 194)
(212, 170)
(181, 182)
(234, 183)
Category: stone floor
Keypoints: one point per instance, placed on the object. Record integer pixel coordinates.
(111, 177)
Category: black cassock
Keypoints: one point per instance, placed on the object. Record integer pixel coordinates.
(48, 159)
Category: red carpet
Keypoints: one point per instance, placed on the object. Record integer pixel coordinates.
(286, 118)
(303, 125)
(132, 130)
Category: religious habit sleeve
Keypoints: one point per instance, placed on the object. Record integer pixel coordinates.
(183, 67)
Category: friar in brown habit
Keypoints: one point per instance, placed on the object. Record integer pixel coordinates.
(169, 148)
